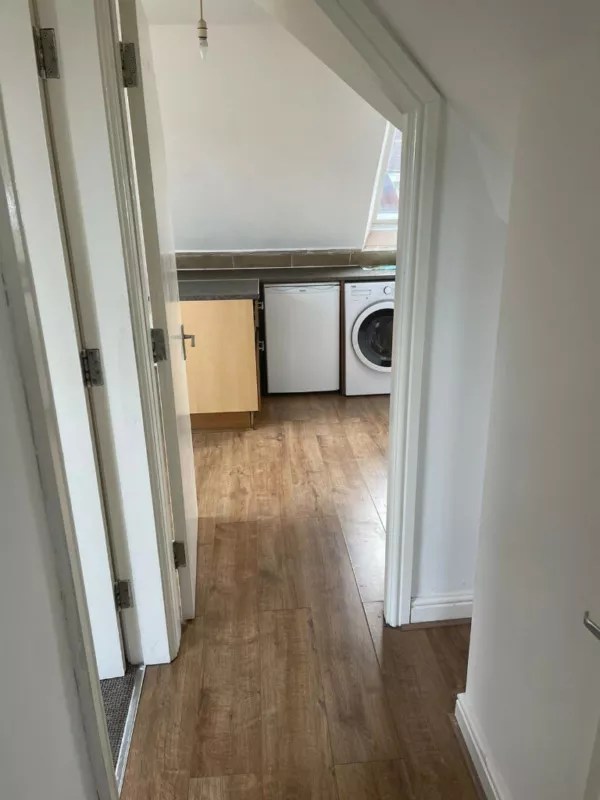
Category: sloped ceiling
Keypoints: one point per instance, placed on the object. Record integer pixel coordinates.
(480, 52)
(302, 18)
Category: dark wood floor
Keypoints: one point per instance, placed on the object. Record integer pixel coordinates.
(288, 686)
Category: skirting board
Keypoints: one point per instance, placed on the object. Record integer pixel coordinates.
(441, 607)
(492, 784)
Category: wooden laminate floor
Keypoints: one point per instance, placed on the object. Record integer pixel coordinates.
(288, 686)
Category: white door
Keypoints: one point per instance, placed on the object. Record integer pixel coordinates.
(50, 251)
(150, 163)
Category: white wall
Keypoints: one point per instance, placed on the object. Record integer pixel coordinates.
(464, 307)
(481, 54)
(266, 147)
(309, 24)
(533, 691)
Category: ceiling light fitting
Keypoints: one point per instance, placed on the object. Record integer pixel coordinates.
(202, 32)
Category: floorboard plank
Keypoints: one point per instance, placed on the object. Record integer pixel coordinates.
(300, 785)
(227, 732)
(228, 787)
(421, 700)
(358, 515)
(282, 582)
(305, 480)
(372, 462)
(295, 736)
(266, 445)
(360, 724)
(153, 785)
(379, 780)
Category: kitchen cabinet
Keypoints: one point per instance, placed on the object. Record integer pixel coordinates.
(221, 362)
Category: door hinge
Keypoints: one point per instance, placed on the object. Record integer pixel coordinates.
(261, 346)
(91, 367)
(123, 595)
(46, 53)
(159, 345)
(179, 555)
(129, 64)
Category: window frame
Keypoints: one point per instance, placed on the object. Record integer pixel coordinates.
(374, 222)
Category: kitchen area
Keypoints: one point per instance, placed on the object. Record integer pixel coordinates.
(284, 190)
(289, 362)
(274, 325)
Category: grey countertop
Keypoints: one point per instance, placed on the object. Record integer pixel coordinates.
(211, 284)
(226, 288)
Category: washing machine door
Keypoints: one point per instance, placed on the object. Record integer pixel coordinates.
(372, 336)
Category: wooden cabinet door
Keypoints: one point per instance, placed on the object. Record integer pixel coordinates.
(221, 368)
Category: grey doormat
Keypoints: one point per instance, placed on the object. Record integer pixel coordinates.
(117, 694)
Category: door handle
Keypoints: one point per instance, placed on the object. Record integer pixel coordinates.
(184, 337)
(591, 625)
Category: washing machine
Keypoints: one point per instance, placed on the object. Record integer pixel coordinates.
(369, 320)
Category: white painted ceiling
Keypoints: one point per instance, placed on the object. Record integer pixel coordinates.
(480, 52)
(216, 12)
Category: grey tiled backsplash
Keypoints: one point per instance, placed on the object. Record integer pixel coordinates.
(263, 259)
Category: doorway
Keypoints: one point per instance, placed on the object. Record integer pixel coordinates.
(303, 332)
(293, 505)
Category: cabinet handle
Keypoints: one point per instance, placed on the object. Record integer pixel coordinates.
(184, 336)
(591, 625)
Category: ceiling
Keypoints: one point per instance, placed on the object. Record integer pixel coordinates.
(216, 12)
(480, 52)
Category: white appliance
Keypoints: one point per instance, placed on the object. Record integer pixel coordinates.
(369, 319)
(302, 332)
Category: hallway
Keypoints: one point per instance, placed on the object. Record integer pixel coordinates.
(287, 684)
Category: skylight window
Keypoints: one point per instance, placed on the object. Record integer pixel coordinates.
(383, 218)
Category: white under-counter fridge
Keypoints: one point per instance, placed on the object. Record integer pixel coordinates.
(302, 333)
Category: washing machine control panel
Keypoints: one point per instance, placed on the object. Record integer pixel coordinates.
(371, 291)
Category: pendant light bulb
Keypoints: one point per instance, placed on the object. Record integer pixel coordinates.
(202, 33)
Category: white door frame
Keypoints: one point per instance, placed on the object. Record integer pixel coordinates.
(415, 96)
(157, 242)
